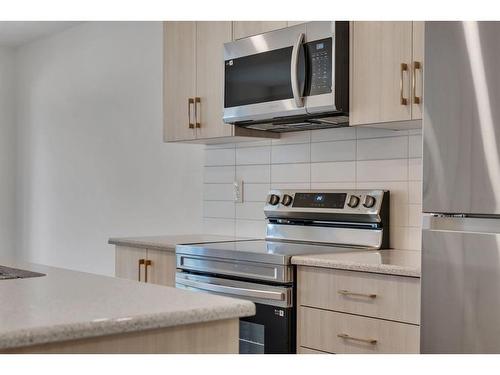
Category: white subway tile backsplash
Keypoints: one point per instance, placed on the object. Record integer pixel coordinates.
(415, 146)
(325, 135)
(415, 215)
(255, 192)
(251, 228)
(415, 169)
(290, 172)
(382, 148)
(415, 192)
(343, 158)
(293, 137)
(414, 238)
(253, 155)
(223, 227)
(333, 151)
(218, 192)
(292, 153)
(219, 174)
(382, 170)
(250, 210)
(367, 132)
(339, 171)
(291, 185)
(218, 209)
(217, 157)
(333, 185)
(254, 173)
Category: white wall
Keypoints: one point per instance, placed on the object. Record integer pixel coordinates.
(91, 159)
(347, 158)
(7, 153)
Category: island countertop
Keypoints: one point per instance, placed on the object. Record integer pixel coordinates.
(389, 261)
(69, 305)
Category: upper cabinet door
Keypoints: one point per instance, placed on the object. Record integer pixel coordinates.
(179, 76)
(210, 39)
(242, 29)
(381, 72)
(417, 70)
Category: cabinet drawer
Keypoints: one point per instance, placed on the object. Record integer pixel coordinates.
(381, 296)
(335, 332)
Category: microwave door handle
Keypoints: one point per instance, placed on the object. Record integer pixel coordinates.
(297, 95)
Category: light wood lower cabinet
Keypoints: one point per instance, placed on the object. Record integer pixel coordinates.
(145, 265)
(380, 296)
(336, 332)
(357, 312)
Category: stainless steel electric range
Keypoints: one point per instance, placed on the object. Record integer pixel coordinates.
(298, 223)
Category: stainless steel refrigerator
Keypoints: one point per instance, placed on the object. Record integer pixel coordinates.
(461, 239)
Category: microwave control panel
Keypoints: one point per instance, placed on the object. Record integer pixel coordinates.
(319, 56)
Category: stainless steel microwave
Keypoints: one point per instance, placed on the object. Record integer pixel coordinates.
(289, 79)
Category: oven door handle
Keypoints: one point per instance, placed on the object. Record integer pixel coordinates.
(294, 67)
(256, 293)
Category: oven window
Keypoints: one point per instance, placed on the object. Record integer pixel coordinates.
(251, 338)
(259, 78)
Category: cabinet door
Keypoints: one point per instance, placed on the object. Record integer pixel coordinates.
(127, 263)
(179, 76)
(162, 268)
(210, 39)
(378, 81)
(417, 70)
(242, 29)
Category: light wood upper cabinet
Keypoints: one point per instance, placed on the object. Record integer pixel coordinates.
(418, 69)
(243, 29)
(145, 265)
(210, 39)
(179, 71)
(380, 72)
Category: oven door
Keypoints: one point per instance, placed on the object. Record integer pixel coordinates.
(272, 329)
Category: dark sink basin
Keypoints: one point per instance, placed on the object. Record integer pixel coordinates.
(8, 273)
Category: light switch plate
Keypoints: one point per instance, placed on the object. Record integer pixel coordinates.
(238, 191)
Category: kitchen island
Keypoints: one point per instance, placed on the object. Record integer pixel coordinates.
(75, 312)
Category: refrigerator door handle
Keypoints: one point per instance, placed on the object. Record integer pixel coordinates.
(462, 224)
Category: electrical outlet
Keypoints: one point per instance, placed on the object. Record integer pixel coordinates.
(238, 191)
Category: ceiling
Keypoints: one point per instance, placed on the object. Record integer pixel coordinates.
(16, 33)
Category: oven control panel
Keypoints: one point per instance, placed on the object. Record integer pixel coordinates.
(337, 201)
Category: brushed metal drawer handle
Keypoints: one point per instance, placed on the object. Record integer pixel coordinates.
(345, 336)
(147, 263)
(348, 293)
(402, 99)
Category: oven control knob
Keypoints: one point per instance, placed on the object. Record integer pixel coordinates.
(273, 199)
(353, 201)
(369, 201)
(286, 200)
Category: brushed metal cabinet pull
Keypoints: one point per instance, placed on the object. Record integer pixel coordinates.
(141, 262)
(403, 100)
(147, 263)
(354, 294)
(190, 102)
(345, 336)
(197, 104)
(416, 66)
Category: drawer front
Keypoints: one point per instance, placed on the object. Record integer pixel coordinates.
(304, 350)
(380, 296)
(340, 333)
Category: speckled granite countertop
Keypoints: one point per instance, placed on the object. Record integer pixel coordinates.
(391, 262)
(169, 242)
(68, 305)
